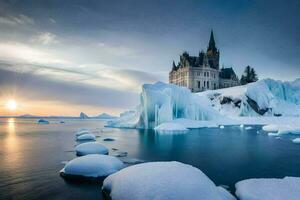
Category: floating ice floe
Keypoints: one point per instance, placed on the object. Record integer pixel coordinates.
(92, 166)
(43, 121)
(171, 127)
(81, 132)
(222, 127)
(162, 180)
(90, 148)
(270, 128)
(287, 188)
(87, 136)
(248, 128)
(296, 140)
(273, 134)
(127, 160)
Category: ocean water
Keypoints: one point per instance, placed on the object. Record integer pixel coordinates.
(31, 155)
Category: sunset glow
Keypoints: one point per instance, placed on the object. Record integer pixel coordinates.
(11, 105)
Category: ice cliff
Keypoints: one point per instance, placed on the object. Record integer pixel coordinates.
(161, 102)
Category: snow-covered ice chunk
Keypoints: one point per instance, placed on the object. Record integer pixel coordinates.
(87, 136)
(242, 126)
(248, 128)
(287, 188)
(222, 127)
(273, 134)
(43, 121)
(127, 160)
(90, 148)
(270, 128)
(81, 132)
(171, 127)
(296, 140)
(162, 180)
(93, 166)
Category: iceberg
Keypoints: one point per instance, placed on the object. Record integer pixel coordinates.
(162, 180)
(83, 116)
(263, 102)
(90, 148)
(161, 102)
(92, 166)
(43, 121)
(287, 188)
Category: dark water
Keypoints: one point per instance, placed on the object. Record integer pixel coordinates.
(31, 155)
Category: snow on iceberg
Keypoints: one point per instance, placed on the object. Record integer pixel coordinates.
(90, 148)
(87, 136)
(162, 180)
(287, 188)
(92, 166)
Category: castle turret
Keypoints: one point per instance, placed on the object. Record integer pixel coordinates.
(212, 44)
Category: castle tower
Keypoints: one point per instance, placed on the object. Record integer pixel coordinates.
(213, 54)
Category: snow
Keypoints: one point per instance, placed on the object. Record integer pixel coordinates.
(90, 148)
(43, 121)
(296, 140)
(92, 165)
(287, 188)
(87, 136)
(162, 180)
(171, 127)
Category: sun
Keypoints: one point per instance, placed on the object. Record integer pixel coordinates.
(11, 105)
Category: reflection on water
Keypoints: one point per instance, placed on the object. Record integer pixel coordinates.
(11, 144)
(32, 155)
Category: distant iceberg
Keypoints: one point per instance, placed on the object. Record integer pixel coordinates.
(43, 121)
(83, 116)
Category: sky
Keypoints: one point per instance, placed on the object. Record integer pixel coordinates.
(63, 57)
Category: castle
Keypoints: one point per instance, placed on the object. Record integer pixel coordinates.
(199, 73)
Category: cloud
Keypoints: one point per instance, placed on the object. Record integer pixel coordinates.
(116, 50)
(45, 38)
(16, 20)
(38, 88)
(20, 52)
(53, 21)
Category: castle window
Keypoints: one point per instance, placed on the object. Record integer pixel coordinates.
(204, 83)
(198, 84)
(207, 84)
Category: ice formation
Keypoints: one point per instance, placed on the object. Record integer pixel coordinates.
(162, 180)
(287, 188)
(90, 148)
(93, 166)
(161, 102)
(81, 132)
(256, 103)
(43, 121)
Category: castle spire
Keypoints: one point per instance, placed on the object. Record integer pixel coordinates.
(212, 43)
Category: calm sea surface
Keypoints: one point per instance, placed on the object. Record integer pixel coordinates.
(31, 155)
